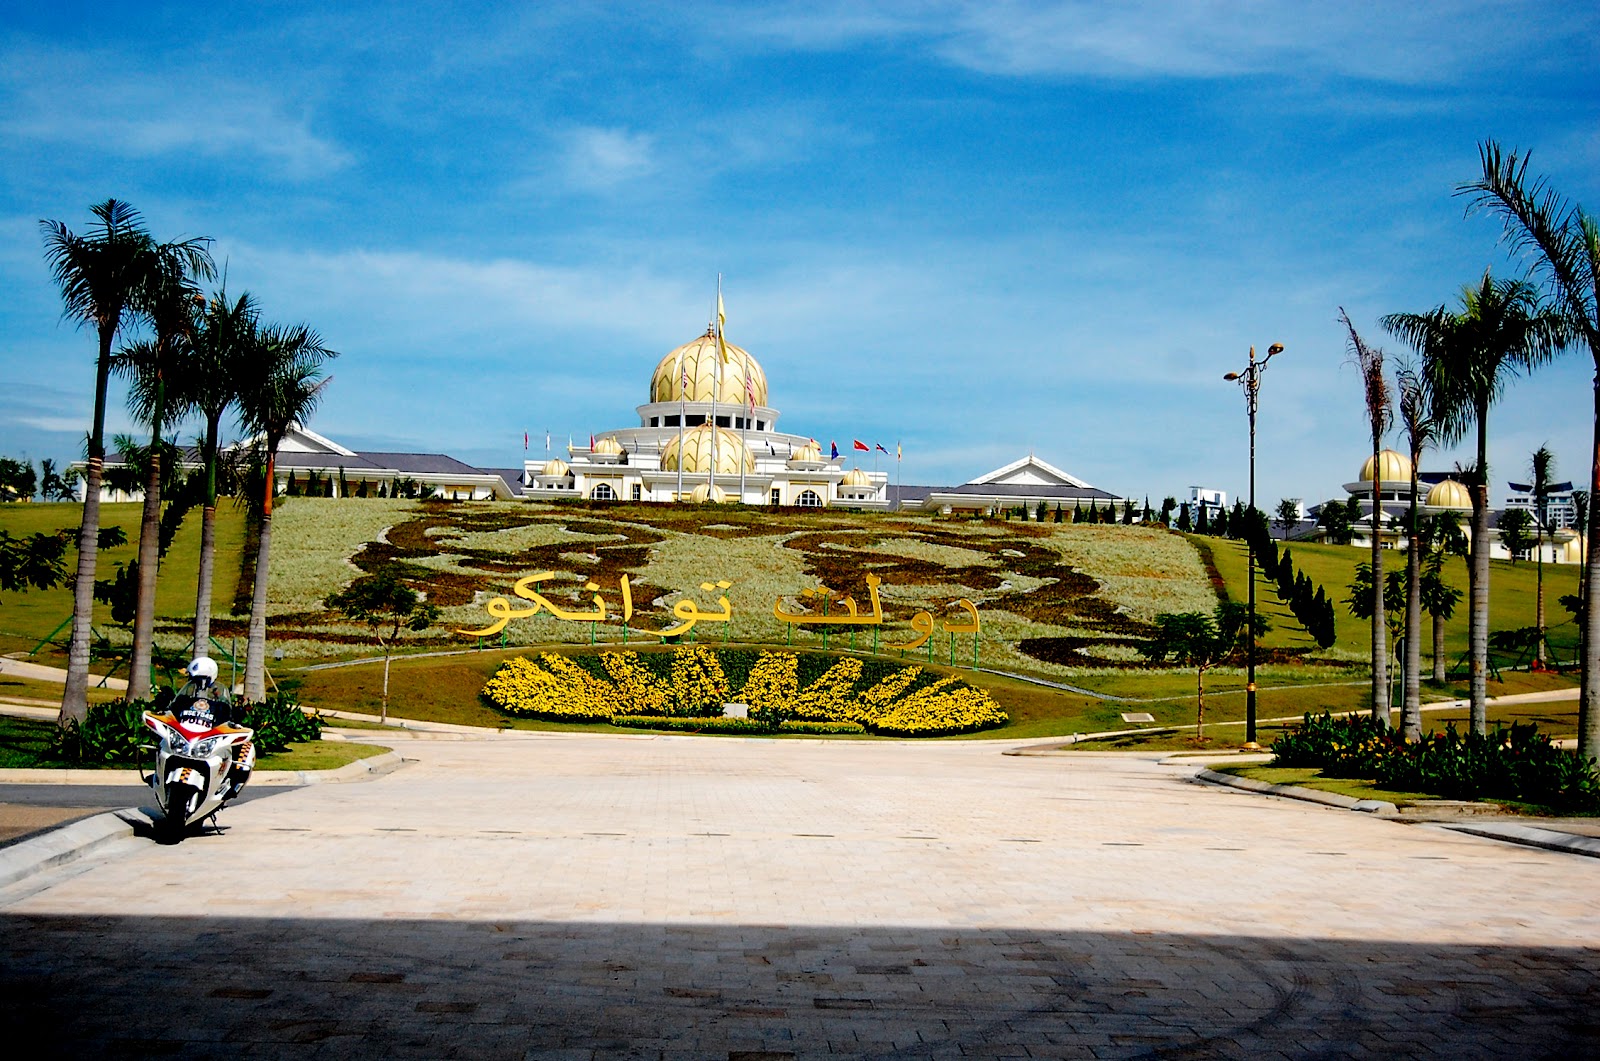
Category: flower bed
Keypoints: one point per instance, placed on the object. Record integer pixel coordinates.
(785, 691)
(1518, 763)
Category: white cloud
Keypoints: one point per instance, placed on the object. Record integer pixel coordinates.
(599, 159)
(1172, 38)
(100, 103)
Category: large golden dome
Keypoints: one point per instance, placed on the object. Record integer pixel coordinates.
(697, 452)
(699, 360)
(856, 477)
(607, 446)
(1449, 494)
(1392, 468)
(709, 492)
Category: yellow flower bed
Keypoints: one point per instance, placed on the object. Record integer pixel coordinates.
(557, 687)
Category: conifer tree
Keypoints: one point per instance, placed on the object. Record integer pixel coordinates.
(1184, 524)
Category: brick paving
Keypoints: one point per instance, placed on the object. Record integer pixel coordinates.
(677, 898)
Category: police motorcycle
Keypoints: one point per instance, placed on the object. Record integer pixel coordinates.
(203, 759)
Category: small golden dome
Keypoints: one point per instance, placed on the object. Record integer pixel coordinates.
(856, 477)
(1392, 468)
(808, 452)
(1449, 494)
(705, 492)
(697, 452)
(607, 445)
(699, 361)
(556, 467)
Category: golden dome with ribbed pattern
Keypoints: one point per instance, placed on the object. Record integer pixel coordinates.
(607, 445)
(856, 477)
(698, 361)
(1392, 468)
(705, 492)
(1449, 494)
(697, 452)
(556, 467)
(808, 452)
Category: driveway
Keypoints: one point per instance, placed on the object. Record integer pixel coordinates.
(676, 897)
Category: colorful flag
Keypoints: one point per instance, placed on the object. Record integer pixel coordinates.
(591, 442)
(881, 450)
(524, 441)
(862, 446)
(898, 453)
(749, 391)
(835, 447)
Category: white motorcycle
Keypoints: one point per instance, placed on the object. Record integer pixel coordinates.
(194, 768)
(201, 764)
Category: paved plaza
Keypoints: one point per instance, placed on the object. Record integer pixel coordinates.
(556, 896)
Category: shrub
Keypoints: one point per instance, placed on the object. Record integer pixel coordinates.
(772, 686)
(521, 687)
(830, 697)
(802, 726)
(112, 733)
(699, 688)
(692, 725)
(638, 692)
(279, 721)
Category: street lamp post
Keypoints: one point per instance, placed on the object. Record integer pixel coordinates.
(1250, 381)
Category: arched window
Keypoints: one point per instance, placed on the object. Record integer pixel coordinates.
(603, 492)
(808, 499)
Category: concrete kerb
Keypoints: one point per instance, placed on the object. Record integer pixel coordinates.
(1310, 795)
(1529, 836)
(58, 847)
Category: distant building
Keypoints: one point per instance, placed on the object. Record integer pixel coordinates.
(1204, 499)
(1561, 510)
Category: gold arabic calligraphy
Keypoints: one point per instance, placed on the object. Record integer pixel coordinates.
(689, 613)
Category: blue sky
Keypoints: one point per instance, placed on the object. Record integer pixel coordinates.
(981, 229)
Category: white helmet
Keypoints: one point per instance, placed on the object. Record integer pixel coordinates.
(202, 670)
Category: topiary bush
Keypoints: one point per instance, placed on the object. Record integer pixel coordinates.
(111, 735)
(279, 721)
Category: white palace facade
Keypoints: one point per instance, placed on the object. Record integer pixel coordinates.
(707, 433)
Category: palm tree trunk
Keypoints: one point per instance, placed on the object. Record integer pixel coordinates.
(1411, 709)
(1478, 591)
(1380, 631)
(1589, 695)
(1538, 609)
(75, 690)
(1438, 650)
(1200, 696)
(208, 548)
(384, 714)
(144, 612)
(255, 655)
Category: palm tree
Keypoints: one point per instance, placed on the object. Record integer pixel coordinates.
(1370, 362)
(1469, 357)
(1566, 244)
(99, 274)
(1414, 403)
(167, 302)
(281, 387)
(1542, 465)
(224, 341)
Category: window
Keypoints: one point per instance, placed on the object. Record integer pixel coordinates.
(777, 496)
(670, 421)
(808, 499)
(654, 421)
(761, 425)
(723, 421)
(638, 492)
(694, 420)
(603, 492)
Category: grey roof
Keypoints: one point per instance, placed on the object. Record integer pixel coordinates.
(421, 463)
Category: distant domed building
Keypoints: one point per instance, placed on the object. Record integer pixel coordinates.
(708, 433)
(1441, 494)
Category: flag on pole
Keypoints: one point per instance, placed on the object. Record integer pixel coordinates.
(524, 442)
(881, 450)
(749, 391)
(862, 446)
(722, 322)
(835, 447)
(591, 441)
(898, 452)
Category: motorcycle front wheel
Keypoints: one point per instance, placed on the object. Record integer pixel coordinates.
(181, 801)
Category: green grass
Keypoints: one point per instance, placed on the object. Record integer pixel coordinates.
(48, 693)
(25, 618)
(25, 743)
(1513, 597)
(1310, 777)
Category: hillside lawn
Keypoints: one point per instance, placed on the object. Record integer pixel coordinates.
(320, 544)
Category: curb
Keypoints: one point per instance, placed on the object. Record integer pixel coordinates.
(1528, 836)
(68, 844)
(1309, 795)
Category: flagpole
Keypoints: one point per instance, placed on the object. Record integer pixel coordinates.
(899, 479)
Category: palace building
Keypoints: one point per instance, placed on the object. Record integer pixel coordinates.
(708, 432)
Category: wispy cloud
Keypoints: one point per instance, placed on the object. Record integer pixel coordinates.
(107, 104)
(1174, 38)
(603, 158)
